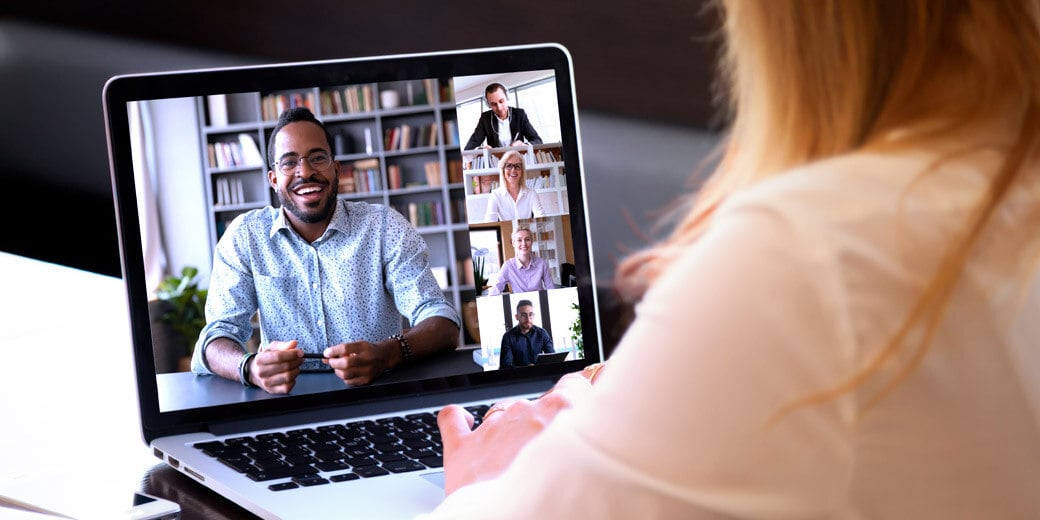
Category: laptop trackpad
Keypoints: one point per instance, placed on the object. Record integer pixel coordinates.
(436, 479)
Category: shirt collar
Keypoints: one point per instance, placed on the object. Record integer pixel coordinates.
(339, 221)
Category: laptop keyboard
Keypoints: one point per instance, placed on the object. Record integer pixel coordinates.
(336, 452)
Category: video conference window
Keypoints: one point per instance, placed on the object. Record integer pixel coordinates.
(493, 214)
(516, 192)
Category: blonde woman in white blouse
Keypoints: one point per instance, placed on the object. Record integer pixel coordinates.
(512, 199)
(845, 323)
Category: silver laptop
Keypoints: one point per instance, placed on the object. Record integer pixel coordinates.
(186, 151)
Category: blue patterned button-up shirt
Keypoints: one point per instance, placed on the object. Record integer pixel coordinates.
(355, 282)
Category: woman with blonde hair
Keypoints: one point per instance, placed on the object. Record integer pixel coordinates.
(846, 323)
(512, 199)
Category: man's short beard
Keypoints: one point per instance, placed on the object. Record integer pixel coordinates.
(310, 217)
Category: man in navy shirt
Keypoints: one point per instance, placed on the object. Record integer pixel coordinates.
(522, 343)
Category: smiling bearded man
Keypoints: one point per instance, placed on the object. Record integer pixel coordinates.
(328, 277)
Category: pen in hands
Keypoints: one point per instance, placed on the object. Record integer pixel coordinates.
(359, 362)
(276, 366)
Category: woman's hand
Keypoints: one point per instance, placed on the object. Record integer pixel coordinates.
(484, 453)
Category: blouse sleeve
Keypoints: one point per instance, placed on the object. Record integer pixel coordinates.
(493, 212)
(536, 204)
(547, 279)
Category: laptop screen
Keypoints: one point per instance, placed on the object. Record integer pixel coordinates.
(423, 135)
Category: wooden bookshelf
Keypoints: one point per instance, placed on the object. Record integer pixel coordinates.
(403, 155)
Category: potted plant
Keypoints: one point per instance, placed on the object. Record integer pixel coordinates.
(479, 280)
(185, 308)
(575, 328)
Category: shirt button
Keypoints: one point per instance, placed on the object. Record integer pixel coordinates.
(314, 285)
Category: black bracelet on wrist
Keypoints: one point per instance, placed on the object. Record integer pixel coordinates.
(243, 369)
(406, 351)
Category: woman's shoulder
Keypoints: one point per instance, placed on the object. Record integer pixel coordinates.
(861, 186)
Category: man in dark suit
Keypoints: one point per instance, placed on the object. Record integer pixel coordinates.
(503, 125)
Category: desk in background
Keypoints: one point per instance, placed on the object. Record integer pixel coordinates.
(180, 390)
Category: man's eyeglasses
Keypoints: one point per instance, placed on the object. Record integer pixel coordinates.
(525, 314)
(318, 161)
(514, 166)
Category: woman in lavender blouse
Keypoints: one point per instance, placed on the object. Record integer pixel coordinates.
(525, 271)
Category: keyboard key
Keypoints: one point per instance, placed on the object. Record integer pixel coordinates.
(283, 486)
(332, 465)
(387, 457)
(361, 461)
(401, 466)
(343, 477)
(433, 461)
(370, 471)
(390, 447)
(288, 472)
(310, 480)
(239, 464)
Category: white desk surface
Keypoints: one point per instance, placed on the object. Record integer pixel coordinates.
(68, 382)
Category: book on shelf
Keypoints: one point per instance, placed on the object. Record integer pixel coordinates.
(338, 107)
(233, 154)
(422, 214)
(393, 172)
(391, 138)
(447, 91)
(429, 91)
(346, 179)
(451, 134)
(433, 173)
(454, 171)
(480, 162)
(229, 191)
(368, 140)
(351, 99)
(362, 175)
(272, 105)
(250, 152)
(544, 156)
(427, 135)
(329, 101)
(217, 106)
(484, 183)
(538, 183)
(458, 211)
(357, 98)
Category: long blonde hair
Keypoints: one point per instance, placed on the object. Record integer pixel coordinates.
(811, 80)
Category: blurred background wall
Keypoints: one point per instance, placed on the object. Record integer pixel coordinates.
(643, 72)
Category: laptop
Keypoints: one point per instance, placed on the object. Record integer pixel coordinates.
(186, 152)
(554, 357)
